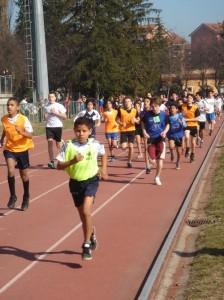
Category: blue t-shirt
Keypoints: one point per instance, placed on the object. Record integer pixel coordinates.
(155, 123)
(177, 124)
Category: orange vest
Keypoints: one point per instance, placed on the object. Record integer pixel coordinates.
(111, 124)
(189, 113)
(16, 142)
(127, 117)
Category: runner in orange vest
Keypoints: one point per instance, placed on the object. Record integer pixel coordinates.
(17, 133)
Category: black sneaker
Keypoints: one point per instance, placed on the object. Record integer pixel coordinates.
(148, 170)
(93, 241)
(192, 158)
(86, 251)
(129, 165)
(25, 203)
(12, 201)
(51, 165)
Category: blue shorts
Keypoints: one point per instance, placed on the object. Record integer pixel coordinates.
(111, 135)
(82, 189)
(210, 117)
(21, 158)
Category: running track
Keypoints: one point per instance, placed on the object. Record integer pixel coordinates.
(40, 249)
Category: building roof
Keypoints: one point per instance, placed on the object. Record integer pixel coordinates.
(216, 27)
(172, 37)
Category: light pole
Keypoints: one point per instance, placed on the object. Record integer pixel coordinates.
(42, 87)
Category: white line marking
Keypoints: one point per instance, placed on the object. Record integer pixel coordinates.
(37, 197)
(61, 240)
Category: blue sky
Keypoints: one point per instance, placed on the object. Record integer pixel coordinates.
(184, 16)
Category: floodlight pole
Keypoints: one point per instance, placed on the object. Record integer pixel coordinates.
(42, 87)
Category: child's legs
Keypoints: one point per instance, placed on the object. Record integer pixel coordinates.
(159, 166)
(50, 143)
(130, 151)
(85, 215)
(110, 145)
(11, 175)
(11, 163)
(138, 142)
(193, 144)
(187, 138)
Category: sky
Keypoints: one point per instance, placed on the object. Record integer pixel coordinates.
(184, 16)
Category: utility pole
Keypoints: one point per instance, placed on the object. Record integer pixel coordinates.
(42, 87)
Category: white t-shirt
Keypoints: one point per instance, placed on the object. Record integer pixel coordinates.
(218, 103)
(94, 112)
(210, 105)
(202, 106)
(52, 120)
(27, 125)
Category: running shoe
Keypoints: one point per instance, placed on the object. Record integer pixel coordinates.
(25, 203)
(12, 201)
(148, 170)
(51, 165)
(86, 251)
(192, 157)
(129, 165)
(201, 143)
(157, 181)
(177, 165)
(93, 240)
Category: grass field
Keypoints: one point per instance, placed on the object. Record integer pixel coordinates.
(206, 276)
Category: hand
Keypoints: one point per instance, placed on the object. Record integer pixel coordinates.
(103, 175)
(145, 134)
(124, 125)
(163, 134)
(53, 111)
(78, 157)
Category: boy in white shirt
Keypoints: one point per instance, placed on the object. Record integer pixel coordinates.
(210, 110)
(54, 113)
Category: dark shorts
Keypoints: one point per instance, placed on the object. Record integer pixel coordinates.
(127, 137)
(201, 125)
(193, 130)
(21, 158)
(82, 189)
(54, 133)
(138, 131)
(177, 141)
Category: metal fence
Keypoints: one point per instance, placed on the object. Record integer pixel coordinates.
(35, 113)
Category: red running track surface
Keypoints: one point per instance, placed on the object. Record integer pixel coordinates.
(40, 249)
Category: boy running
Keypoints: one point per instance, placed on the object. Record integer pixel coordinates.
(91, 114)
(126, 118)
(111, 127)
(210, 112)
(201, 118)
(79, 158)
(54, 113)
(17, 132)
(191, 113)
(176, 132)
(155, 127)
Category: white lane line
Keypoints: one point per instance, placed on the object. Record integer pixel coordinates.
(62, 239)
(36, 198)
(17, 176)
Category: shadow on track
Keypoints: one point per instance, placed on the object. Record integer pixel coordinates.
(34, 256)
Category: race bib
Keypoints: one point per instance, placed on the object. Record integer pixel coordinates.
(156, 119)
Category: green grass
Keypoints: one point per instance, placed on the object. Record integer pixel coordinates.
(207, 268)
(39, 128)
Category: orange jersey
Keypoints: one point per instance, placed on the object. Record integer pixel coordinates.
(190, 113)
(127, 117)
(16, 142)
(110, 121)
